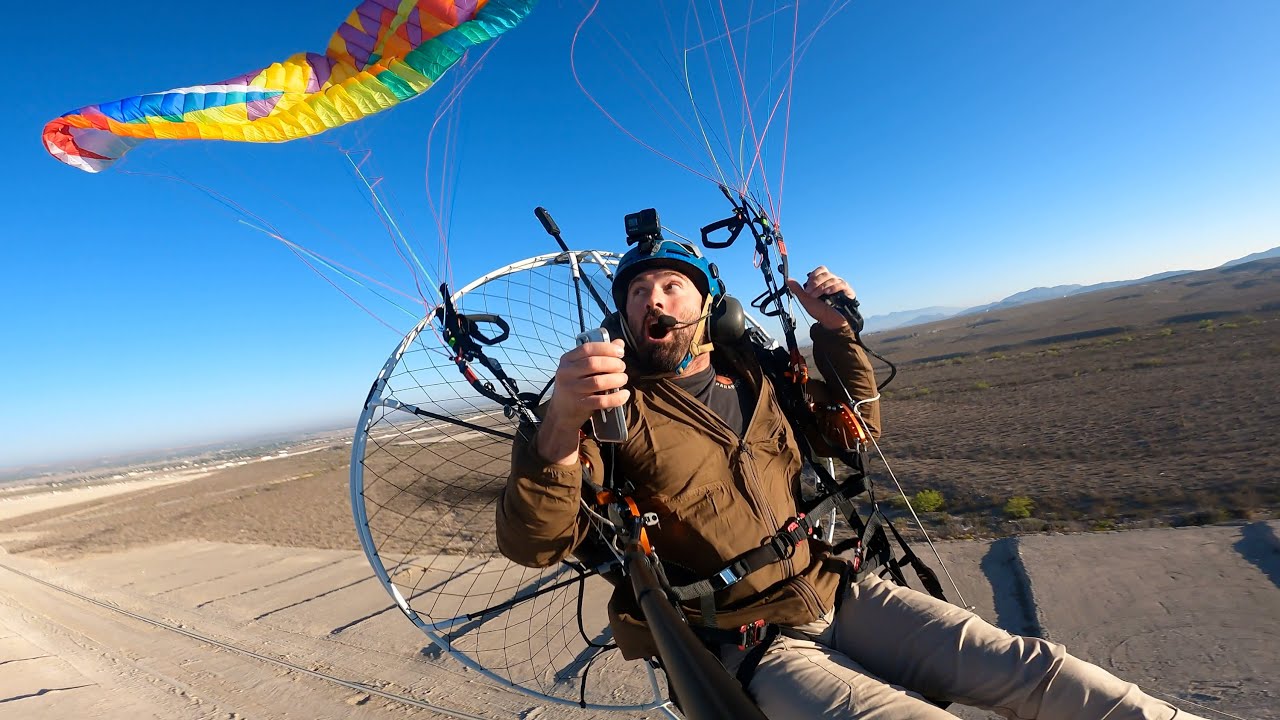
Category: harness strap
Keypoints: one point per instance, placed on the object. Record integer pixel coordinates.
(780, 547)
(744, 637)
(928, 578)
(747, 669)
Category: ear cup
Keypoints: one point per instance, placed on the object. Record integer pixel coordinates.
(728, 321)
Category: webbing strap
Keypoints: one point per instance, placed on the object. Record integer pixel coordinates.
(780, 547)
(708, 607)
(747, 669)
(928, 578)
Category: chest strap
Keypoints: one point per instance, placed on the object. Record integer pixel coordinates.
(872, 550)
(778, 548)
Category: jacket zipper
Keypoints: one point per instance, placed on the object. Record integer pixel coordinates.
(748, 461)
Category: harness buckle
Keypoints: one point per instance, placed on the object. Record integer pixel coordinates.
(751, 634)
(725, 577)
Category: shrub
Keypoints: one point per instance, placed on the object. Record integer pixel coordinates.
(1019, 507)
(982, 385)
(928, 501)
(1166, 332)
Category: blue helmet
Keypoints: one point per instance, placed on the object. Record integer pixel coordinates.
(682, 258)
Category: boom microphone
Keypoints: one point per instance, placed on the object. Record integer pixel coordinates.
(666, 323)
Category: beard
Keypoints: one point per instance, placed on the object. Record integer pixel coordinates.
(665, 355)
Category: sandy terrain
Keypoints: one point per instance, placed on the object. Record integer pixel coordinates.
(210, 599)
(244, 593)
(33, 501)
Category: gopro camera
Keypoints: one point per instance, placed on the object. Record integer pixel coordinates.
(609, 425)
(643, 226)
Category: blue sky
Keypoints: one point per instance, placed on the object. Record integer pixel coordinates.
(939, 153)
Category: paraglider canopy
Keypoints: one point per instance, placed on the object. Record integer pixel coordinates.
(379, 57)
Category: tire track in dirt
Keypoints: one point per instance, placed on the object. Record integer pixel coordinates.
(270, 584)
(314, 597)
(351, 685)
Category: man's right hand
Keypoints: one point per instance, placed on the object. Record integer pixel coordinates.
(584, 373)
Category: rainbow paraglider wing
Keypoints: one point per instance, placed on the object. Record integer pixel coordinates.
(387, 51)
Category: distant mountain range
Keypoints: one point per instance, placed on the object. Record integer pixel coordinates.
(907, 318)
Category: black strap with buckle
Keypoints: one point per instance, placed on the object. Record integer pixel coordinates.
(744, 637)
(776, 549)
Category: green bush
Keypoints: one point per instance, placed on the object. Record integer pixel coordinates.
(982, 385)
(928, 501)
(1166, 332)
(1019, 507)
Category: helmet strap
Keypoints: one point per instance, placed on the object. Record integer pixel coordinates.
(696, 345)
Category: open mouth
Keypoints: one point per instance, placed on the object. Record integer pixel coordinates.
(656, 331)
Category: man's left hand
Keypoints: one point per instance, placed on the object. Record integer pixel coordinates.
(817, 285)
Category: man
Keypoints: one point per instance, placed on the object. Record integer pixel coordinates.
(710, 452)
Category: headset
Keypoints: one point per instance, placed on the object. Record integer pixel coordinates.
(722, 319)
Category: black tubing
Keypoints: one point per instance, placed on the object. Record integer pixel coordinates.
(705, 690)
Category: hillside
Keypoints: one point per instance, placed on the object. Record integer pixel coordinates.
(1146, 404)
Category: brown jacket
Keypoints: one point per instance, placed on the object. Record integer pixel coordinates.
(716, 496)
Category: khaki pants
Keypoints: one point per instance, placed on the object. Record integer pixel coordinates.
(887, 638)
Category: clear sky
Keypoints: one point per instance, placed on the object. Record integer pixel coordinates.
(938, 153)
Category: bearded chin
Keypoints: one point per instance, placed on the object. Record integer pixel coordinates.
(665, 357)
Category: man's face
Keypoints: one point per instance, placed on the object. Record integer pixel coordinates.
(662, 292)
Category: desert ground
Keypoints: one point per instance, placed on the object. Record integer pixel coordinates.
(1137, 406)
(1149, 544)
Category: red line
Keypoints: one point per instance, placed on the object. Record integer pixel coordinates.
(573, 67)
(786, 129)
(755, 137)
(715, 92)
